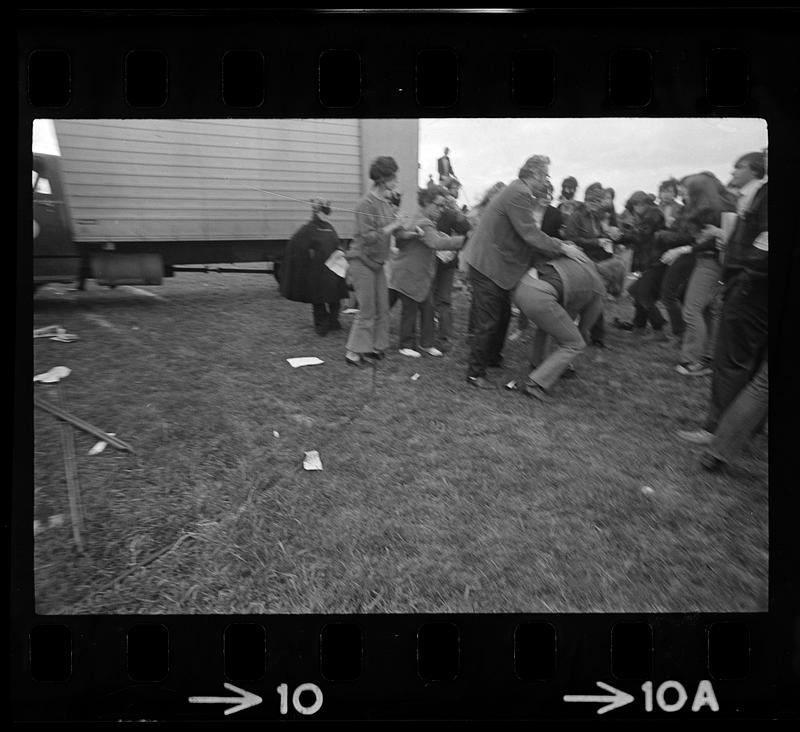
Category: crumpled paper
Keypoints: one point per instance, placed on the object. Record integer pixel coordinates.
(312, 460)
(54, 375)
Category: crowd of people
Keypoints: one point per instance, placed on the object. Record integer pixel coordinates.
(699, 250)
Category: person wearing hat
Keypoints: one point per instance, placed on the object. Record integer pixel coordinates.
(304, 275)
(503, 245)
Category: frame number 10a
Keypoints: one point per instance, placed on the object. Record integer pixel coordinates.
(670, 696)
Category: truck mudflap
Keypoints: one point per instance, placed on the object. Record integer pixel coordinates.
(115, 268)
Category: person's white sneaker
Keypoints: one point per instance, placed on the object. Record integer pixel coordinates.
(409, 352)
(432, 351)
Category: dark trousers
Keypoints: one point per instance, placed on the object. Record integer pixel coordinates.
(442, 289)
(741, 344)
(673, 288)
(598, 330)
(326, 316)
(645, 292)
(490, 315)
(410, 309)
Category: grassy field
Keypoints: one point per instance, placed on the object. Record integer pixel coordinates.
(434, 497)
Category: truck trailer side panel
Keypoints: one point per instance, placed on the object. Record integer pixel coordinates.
(207, 180)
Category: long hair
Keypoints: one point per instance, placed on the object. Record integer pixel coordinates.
(706, 199)
(491, 193)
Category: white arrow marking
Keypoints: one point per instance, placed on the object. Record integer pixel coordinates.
(245, 700)
(618, 698)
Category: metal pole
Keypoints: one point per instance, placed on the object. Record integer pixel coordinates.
(71, 469)
(91, 429)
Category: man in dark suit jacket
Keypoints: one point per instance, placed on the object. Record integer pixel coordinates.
(505, 245)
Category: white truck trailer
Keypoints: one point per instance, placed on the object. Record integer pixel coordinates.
(131, 201)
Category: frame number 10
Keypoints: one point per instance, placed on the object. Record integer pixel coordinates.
(283, 692)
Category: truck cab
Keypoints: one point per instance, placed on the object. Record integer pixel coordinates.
(56, 258)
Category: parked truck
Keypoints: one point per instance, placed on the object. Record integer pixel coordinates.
(134, 201)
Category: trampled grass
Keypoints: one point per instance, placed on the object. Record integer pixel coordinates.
(434, 497)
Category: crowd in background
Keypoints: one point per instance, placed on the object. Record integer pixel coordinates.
(698, 250)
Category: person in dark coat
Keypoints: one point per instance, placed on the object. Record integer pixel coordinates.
(305, 278)
(646, 221)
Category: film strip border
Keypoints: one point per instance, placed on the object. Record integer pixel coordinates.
(543, 63)
(397, 667)
(549, 64)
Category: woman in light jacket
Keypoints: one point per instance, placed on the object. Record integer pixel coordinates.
(414, 269)
(376, 221)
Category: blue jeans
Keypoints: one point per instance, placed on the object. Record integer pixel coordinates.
(700, 311)
(442, 291)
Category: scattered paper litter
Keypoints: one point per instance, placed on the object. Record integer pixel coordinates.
(647, 490)
(304, 361)
(414, 377)
(275, 433)
(65, 338)
(53, 375)
(312, 461)
(349, 311)
(511, 385)
(337, 263)
(98, 447)
(48, 331)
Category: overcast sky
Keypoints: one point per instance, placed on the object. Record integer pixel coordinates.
(624, 154)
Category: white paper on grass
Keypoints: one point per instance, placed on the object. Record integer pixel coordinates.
(312, 461)
(98, 447)
(53, 375)
(337, 263)
(304, 361)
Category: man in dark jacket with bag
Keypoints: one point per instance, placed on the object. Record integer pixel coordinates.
(304, 274)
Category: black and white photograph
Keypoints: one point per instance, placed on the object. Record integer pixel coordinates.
(383, 365)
